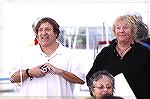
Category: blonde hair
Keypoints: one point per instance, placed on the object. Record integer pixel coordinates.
(131, 20)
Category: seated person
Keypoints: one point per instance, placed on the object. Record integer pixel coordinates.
(101, 83)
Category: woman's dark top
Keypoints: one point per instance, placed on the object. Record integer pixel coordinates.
(135, 66)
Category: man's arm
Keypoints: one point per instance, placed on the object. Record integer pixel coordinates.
(70, 77)
(34, 72)
(16, 78)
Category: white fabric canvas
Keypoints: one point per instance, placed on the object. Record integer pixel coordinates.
(122, 87)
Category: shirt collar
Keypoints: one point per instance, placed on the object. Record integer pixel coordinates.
(114, 43)
(58, 51)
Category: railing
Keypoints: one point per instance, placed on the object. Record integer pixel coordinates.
(5, 85)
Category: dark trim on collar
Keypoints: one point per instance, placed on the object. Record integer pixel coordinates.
(114, 43)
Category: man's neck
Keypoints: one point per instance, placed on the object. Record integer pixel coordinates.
(49, 50)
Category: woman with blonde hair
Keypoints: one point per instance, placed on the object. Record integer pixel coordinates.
(126, 56)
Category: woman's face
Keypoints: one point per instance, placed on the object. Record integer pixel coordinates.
(46, 36)
(123, 31)
(103, 87)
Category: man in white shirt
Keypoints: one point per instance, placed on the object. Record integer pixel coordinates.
(49, 69)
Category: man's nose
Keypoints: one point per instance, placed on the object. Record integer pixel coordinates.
(44, 32)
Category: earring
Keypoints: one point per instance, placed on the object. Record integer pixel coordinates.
(35, 41)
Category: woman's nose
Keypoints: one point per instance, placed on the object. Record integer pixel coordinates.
(121, 29)
(105, 89)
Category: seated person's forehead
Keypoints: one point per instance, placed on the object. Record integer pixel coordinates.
(103, 79)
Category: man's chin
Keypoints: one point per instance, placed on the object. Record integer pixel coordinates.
(45, 44)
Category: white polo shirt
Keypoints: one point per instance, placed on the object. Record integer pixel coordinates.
(50, 84)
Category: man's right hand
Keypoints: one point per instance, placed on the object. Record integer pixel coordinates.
(37, 72)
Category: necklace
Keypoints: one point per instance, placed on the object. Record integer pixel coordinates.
(122, 52)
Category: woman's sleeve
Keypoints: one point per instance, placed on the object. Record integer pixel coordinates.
(96, 65)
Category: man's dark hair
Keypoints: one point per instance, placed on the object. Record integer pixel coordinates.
(51, 22)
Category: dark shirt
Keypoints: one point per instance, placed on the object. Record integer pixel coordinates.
(146, 45)
(135, 66)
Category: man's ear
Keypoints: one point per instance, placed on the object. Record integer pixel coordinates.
(36, 39)
(36, 36)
